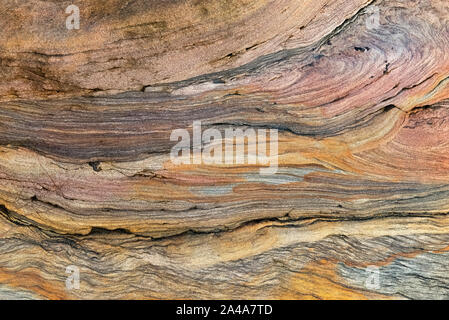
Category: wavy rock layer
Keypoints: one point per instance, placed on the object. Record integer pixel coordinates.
(86, 178)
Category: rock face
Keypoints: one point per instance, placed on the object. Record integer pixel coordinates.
(357, 91)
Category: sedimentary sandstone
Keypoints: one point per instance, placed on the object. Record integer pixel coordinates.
(86, 178)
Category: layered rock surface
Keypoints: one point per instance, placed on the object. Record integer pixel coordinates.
(86, 178)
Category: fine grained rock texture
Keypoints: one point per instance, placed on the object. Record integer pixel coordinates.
(362, 115)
